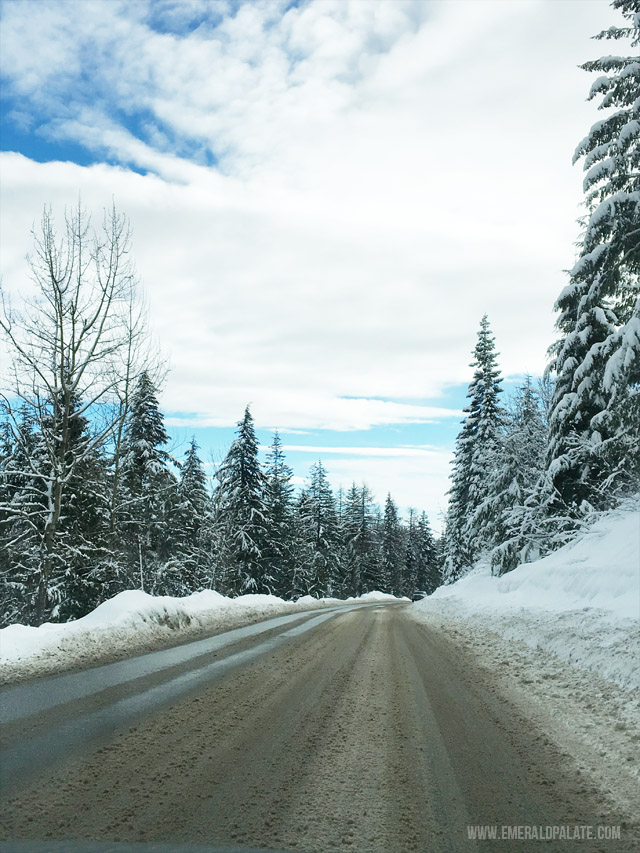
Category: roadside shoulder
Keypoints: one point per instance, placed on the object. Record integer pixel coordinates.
(591, 719)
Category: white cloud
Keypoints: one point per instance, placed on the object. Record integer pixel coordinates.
(421, 451)
(385, 173)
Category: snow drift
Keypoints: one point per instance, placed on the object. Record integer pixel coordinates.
(581, 603)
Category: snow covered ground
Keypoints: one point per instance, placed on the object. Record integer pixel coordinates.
(134, 622)
(563, 636)
(581, 603)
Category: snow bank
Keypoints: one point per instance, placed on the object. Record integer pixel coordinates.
(131, 622)
(367, 596)
(581, 603)
(134, 622)
(377, 596)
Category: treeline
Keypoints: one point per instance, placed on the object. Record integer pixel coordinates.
(92, 503)
(526, 477)
(496, 505)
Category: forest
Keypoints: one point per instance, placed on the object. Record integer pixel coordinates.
(93, 503)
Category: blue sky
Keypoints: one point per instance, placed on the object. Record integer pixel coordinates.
(325, 196)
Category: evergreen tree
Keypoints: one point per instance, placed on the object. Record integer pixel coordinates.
(321, 523)
(190, 529)
(428, 577)
(364, 570)
(241, 515)
(514, 480)
(303, 547)
(476, 450)
(82, 529)
(149, 494)
(594, 443)
(71, 589)
(350, 532)
(393, 572)
(21, 516)
(192, 491)
(340, 580)
(279, 547)
(145, 436)
(411, 557)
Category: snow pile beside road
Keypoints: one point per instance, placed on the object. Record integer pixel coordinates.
(373, 596)
(581, 603)
(377, 596)
(131, 622)
(134, 622)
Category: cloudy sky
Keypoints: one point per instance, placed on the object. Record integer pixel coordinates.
(325, 197)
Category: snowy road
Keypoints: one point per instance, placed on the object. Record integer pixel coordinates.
(359, 730)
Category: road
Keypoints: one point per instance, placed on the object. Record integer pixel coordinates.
(356, 729)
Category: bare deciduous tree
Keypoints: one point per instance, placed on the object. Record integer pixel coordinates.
(75, 348)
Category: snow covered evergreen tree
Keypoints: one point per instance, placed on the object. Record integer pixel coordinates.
(302, 547)
(72, 589)
(364, 570)
(594, 448)
(514, 481)
(350, 532)
(411, 557)
(22, 505)
(149, 494)
(191, 555)
(393, 570)
(423, 571)
(82, 529)
(428, 576)
(476, 449)
(240, 513)
(321, 523)
(279, 547)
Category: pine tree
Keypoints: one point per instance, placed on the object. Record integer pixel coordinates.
(190, 525)
(393, 571)
(476, 449)
(514, 480)
(342, 582)
(302, 548)
(192, 490)
(411, 556)
(149, 494)
(364, 571)
(241, 515)
(21, 516)
(82, 529)
(321, 524)
(350, 531)
(145, 436)
(279, 521)
(71, 590)
(428, 577)
(595, 415)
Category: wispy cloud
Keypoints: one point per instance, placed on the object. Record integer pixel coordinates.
(407, 450)
(297, 410)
